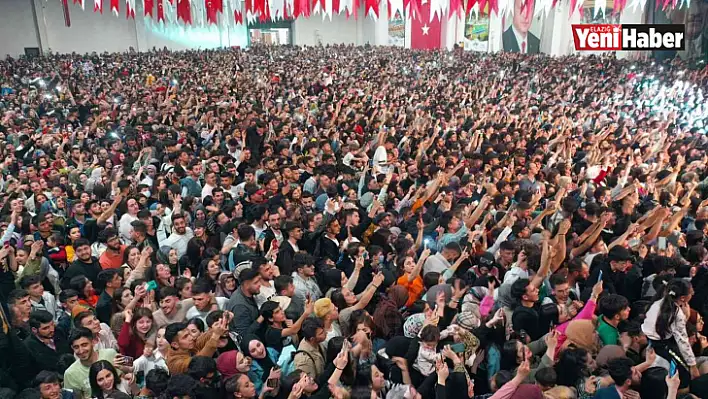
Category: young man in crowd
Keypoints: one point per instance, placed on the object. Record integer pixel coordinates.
(46, 344)
(243, 301)
(76, 377)
(614, 309)
(172, 309)
(184, 346)
(39, 298)
(204, 301)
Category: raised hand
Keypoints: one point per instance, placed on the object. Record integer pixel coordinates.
(220, 327)
(597, 289)
(425, 254)
(441, 368)
(378, 279)
(340, 362)
(309, 306)
(524, 369)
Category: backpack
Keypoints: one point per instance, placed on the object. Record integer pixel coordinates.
(286, 361)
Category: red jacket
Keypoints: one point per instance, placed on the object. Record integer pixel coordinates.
(129, 344)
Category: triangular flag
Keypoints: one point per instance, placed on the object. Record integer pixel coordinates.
(114, 6)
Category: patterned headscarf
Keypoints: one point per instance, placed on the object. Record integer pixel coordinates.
(413, 325)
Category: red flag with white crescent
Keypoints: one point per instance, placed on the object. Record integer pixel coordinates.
(184, 11)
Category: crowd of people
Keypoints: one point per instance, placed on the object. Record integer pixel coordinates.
(352, 222)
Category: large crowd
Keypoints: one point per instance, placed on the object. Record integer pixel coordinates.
(352, 222)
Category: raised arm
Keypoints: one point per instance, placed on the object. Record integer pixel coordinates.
(419, 265)
(545, 265)
(309, 308)
(110, 211)
(558, 259)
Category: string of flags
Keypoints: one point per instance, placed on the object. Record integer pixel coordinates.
(212, 12)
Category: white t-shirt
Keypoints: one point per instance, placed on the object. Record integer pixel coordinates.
(381, 160)
(267, 293)
(194, 312)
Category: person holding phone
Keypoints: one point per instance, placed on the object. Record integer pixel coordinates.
(264, 372)
(76, 377)
(411, 279)
(138, 325)
(665, 327)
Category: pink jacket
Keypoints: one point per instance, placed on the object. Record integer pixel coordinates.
(586, 313)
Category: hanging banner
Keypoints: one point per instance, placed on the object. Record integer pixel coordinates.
(397, 30)
(522, 32)
(476, 36)
(591, 14)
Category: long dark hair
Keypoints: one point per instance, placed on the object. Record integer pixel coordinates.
(139, 314)
(571, 366)
(97, 367)
(667, 312)
(509, 359)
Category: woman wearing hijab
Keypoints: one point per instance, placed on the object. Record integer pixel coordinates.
(233, 362)
(226, 284)
(264, 361)
(582, 334)
(388, 318)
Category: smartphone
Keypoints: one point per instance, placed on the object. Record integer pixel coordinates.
(272, 382)
(151, 285)
(662, 243)
(458, 348)
(672, 369)
(599, 277)
(126, 361)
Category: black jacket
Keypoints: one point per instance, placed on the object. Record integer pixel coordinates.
(104, 308)
(612, 282)
(89, 270)
(326, 249)
(510, 44)
(284, 261)
(44, 357)
(241, 254)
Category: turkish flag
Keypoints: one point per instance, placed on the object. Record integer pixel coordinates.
(425, 34)
(184, 11)
(148, 5)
